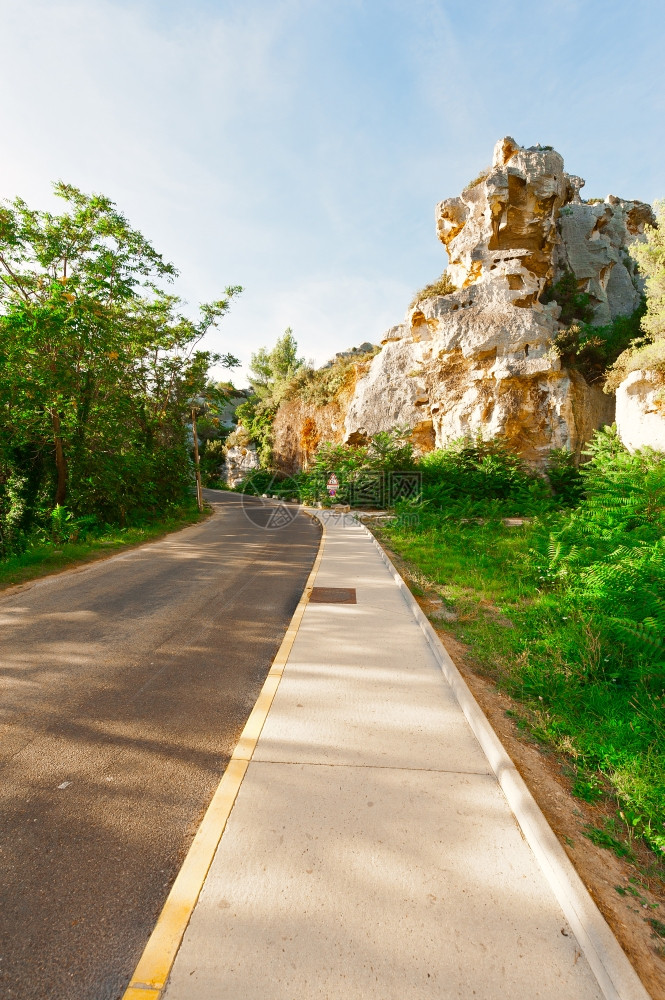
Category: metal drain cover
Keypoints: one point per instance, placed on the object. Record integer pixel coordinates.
(333, 595)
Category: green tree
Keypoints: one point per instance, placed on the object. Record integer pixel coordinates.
(650, 257)
(648, 352)
(270, 369)
(96, 359)
(271, 373)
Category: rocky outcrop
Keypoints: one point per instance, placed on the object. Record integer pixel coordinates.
(240, 461)
(480, 359)
(640, 411)
(593, 245)
(300, 427)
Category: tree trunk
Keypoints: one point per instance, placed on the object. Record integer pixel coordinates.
(60, 462)
(197, 465)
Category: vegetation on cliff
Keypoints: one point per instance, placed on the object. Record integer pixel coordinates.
(279, 375)
(583, 346)
(594, 350)
(648, 352)
(321, 386)
(97, 367)
(442, 286)
(574, 305)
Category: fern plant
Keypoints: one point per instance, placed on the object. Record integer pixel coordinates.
(607, 556)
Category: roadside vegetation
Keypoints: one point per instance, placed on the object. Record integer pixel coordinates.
(362, 473)
(99, 370)
(75, 541)
(565, 609)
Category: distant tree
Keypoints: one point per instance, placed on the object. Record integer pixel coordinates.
(270, 368)
(270, 374)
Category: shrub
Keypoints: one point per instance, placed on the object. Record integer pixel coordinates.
(483, 478)
(575, 305)
(12, 513)
(608, 553)
(355, 467)
(442, 286)
(256, 418)
(564, 477)
(322, 386)
(592, 350)
(483, 175)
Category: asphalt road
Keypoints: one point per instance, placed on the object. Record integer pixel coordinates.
(123, 689)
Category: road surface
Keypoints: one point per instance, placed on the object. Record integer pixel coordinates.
(123, 689)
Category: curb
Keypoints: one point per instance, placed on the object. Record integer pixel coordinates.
(154, 966)
(607, 959)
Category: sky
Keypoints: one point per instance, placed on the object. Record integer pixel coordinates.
(298, 147)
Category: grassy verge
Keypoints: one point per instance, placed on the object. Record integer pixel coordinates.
(550, 655)
(45, 557)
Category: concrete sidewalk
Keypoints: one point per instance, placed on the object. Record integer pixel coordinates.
(371, 852)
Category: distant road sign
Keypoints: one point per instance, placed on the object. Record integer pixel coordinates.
(333, 485)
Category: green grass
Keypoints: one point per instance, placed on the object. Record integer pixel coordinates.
(442, 286)
(605, 836)
(45, 557)
(547, 651)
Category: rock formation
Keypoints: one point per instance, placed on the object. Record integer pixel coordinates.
(240, 461)
(641, 411)
(480, 359)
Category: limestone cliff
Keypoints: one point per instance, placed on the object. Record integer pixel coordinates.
(480, 359)
(641, 411)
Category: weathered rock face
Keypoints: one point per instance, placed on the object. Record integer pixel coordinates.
(239, 463)
(299, 429)
(480, 360)
(593, 246)
(641, 412)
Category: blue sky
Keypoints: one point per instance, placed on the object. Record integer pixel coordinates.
(298, 147)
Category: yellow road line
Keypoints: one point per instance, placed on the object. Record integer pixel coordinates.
(155, 964)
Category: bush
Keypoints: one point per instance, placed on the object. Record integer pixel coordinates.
(607, 555)
(575, 305)
(482, 176)
(442, 286)
(592, 350)
(255, 419)
(483, 478)
(212, 458)
(355, 466)
(323, 385)
(564, 477)
(12, 514)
